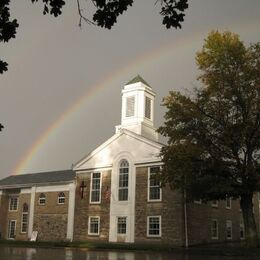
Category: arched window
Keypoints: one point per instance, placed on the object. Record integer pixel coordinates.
(24, 221)
(123, 180)
(42, 199)
(61, 198)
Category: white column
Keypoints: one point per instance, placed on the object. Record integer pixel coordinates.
(71, 208)
(31, 212)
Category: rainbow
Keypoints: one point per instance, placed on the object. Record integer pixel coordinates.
(144, 60)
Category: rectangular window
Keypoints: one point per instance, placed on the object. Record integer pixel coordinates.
(242, 231)
(154, 226)
(229, 229)
(130, 106)
(95, 187)
(121, 225)
(11, 229)
(93, 225)
(24, 222)
(13, 203)
(214, 229)
(228, 202)
(148, 103)
(214, 203)
(154, 187)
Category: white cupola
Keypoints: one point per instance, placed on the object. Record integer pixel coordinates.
(137, 114)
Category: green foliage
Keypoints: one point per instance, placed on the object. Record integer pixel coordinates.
(105, 15)
(7, 29)
(214, 136)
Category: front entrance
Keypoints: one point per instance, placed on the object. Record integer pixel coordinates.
(11, 229)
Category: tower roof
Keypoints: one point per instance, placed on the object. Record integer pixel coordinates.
(137, 79)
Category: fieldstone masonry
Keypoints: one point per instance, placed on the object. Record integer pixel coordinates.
(84, 209)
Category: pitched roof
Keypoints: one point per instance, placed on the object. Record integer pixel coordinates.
(137, 79)
(38, 178)
(121, 132)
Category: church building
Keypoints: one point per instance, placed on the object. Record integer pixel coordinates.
(113, 195)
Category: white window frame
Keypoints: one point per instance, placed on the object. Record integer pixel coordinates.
(9, 228)
(61, 199)
(229, 224)
(42, 199)
(89, 225)
(17, 202)
(148, 226)
(100, 187)
(230, 202)
(217, 231)
(121, 234)
(123, 187)
(24, 213)
(148, 186)
(214, 205)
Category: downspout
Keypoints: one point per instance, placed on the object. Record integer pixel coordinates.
(185, 219)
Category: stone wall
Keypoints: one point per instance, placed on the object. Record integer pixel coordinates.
(50, 220)
(84, 209)
(51, 227)
(3, 210)
(170, 209)
(201, 215)
(7, 215)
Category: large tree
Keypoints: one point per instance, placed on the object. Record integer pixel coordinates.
(105, 15)
(213, 148)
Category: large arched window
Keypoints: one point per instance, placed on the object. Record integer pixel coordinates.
(24, 221)
(123, 180)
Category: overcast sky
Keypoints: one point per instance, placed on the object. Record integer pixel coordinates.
(61, 96)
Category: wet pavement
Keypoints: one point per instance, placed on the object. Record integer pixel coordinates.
(18, 253)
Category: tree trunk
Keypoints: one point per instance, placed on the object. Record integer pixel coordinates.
(249, 219)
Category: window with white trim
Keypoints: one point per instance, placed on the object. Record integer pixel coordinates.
(95, 187)
(229, 229)
(121, 225)
(154, 226)
(24, 220)
(11, 229)
(228, 202)
(214, 229)
(214, 203)
(154, 185)
(130, 106)
(13, 203)
(147, 108)
(93, 225)
(123, 180)
(42, 199)
(61, 198)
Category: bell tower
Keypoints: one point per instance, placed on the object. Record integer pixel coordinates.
(137, 114)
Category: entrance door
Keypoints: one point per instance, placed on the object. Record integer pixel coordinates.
(11, 229)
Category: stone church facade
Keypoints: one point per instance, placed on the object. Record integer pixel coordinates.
(113, 195)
